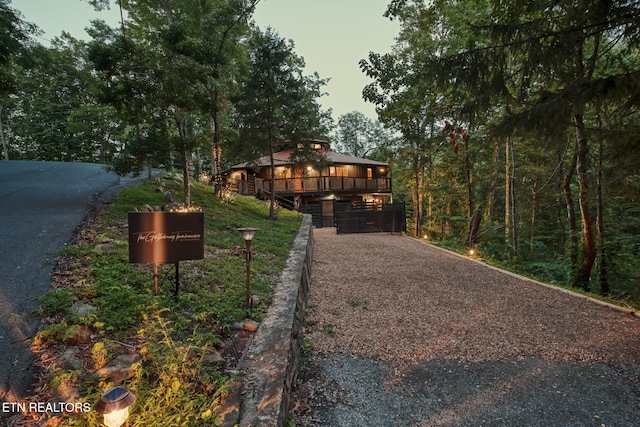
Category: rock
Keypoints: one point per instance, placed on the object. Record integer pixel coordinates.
(250, 325)
(105, 244)
(213, 358)
(79, 336)
(229, 413)
(66, 393)
(69, 360)
(83, 309)
(120, 368)
(254, 301)
(104, 247)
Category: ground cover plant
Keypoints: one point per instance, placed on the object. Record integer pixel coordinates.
(179, 378)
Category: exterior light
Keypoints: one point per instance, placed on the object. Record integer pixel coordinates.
(247, 234)
(425, 237)
(472, 251)
(114, 405)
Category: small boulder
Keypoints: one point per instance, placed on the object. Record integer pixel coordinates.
(250, 325)
(80, 309)
(69, 360)
(78, 336)
(66, 393)
(121, 368)
(213, 358)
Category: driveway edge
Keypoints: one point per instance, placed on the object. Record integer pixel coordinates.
(596, 301)
(271, 366)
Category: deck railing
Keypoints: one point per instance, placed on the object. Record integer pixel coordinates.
(327, 184)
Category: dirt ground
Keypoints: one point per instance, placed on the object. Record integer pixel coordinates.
(402, 333)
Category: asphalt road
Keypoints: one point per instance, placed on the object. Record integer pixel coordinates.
(41, 205)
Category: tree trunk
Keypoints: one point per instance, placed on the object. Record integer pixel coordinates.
(418, 196)
(534, 207)
(507, 195)
(511, 234)
(475, 215)
(216, 152)
(469, 181)
(5, 151)
(584, 71)
(430, 211)
(589, 244)
(186, 178)
(474, 227)
(494, 182)
(272, 181)
(559, 191)
(184, 133)
(514, 218)
(604, 281)
(571, 218)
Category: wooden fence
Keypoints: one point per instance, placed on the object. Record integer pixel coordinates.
(391, 218)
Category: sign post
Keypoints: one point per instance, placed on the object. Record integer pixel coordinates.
(165, 238)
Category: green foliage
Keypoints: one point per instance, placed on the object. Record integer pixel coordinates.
(56, 115)
(175, 383)
(55, 302)
(99, 355)
(176, 386)
(278, 105)
(553, 84)
(359, 136)
(159, 89)
(548, 272)
(58, 331)
(12, 40)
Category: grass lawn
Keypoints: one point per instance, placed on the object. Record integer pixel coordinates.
(177, 381)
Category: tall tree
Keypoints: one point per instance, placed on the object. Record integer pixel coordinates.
(54, 115)
(192, 51)
(223, 33)
(129, 85)
(359, 136)
(14, 35)
(408, 101)
(352, 136)
(277, 106)
(540, 60)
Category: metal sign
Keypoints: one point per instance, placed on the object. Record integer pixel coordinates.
(165, 237)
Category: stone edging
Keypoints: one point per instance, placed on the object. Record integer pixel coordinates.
(271, 365)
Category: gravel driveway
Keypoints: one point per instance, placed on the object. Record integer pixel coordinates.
(406, 334)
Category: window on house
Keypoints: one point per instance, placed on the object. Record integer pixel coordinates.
(341, 171)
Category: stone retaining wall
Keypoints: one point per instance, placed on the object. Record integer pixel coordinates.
(271, 365)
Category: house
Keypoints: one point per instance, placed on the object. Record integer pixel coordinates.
(345, 182)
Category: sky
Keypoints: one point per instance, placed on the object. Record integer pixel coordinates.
(331, 35)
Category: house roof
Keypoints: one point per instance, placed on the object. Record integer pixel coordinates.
(282, 158)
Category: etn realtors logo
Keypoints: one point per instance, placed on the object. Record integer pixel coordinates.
(42, 407)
